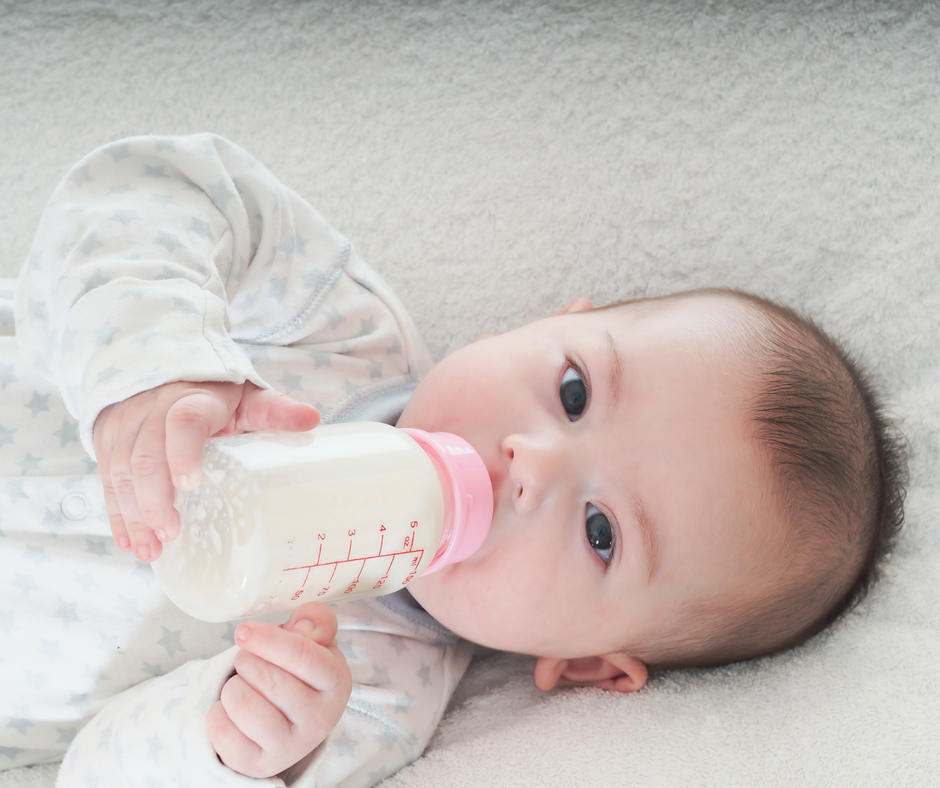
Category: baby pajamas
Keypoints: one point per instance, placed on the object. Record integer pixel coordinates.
(162, 259)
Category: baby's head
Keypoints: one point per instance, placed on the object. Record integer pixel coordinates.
(679, 481)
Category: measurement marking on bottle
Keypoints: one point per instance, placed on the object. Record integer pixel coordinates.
(365, 558)
(414, 557)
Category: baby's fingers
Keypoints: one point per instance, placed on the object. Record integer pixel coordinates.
(189, 423)
(318, 666)
(265, 409)
(122, 487)
(152, 485)
(118, 528)
(237, 751)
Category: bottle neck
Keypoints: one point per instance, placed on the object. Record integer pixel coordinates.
(466, 493)
(447, 497)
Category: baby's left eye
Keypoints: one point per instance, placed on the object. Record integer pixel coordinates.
(600, 533)
(573, 394)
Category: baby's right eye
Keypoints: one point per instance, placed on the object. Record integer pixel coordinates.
(573, 393)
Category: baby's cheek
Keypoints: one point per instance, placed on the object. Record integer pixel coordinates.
(511, 601)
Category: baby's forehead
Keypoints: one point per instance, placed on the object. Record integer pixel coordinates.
(709, 322)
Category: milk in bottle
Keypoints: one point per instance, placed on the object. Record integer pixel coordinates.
(339, 512)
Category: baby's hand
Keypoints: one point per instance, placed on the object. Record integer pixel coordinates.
(289, 691)
(152, 442)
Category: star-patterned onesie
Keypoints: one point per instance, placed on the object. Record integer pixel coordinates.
(161, 259)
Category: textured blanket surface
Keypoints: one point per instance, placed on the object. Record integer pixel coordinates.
(494, 160)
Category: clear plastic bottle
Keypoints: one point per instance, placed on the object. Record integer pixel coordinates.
(340, 512)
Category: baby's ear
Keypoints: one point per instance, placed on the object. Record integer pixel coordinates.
(616, 672)
(580, 304)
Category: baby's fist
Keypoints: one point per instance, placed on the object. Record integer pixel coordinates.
(290, 688)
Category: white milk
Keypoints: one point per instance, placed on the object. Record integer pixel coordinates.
(340, 512)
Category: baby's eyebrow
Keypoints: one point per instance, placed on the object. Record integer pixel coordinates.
(648, 532)
(615, 372)
(645, 523)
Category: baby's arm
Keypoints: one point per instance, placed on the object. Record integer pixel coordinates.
(403, 666)
(290, 689)
(161, 260)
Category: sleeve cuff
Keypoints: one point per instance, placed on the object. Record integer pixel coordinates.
(176, 332)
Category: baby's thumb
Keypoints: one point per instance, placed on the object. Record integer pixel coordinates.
(189, 423)
(265, 409)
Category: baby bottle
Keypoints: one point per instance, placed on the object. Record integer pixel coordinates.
(339, 512)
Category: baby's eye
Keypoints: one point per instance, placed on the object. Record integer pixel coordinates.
(600, 533)
(573, 393)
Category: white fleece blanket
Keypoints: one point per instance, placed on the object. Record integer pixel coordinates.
(495, 160)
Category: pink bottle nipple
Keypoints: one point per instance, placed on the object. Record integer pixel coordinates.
(470, 491)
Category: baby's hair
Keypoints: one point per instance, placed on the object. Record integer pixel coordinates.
(840, 473)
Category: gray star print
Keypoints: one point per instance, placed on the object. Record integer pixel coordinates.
(118, 151)
(6, 375)
(171, 641)
(38, 404)
(333, 317)
(108, 374)
(126, 217)
(162, 199)
(36, 554)
(6, 622)
(183, 307)
(67, 433)
(67, 613)
(79, 176)
(106, 332)
(201, 228)
(154, 747)
(168, 241)
(380, 676)
(290, 383)
(97, 547)
(26, 584)
(424, 673)
(220, 194)
(89, 244)
(345, 745)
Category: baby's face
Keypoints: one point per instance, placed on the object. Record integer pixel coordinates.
(626, 483)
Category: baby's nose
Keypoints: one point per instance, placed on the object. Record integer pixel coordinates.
(536, 467)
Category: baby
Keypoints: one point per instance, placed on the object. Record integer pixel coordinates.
(680, 481)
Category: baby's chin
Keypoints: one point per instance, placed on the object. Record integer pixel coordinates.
(436, 596)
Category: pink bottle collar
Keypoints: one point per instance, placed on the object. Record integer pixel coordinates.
(470, 490)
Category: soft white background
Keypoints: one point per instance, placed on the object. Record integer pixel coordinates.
(493, 160)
